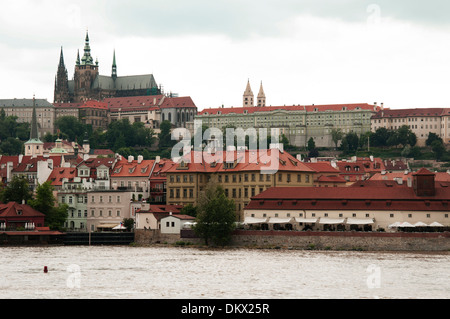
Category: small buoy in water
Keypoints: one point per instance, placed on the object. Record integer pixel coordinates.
(45, 269)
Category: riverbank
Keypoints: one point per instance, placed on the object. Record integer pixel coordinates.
(309, 240)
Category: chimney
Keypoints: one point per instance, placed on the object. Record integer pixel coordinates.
(130, 159)
(140, 159)
(9, 168)
(158, 159)
(409, 181)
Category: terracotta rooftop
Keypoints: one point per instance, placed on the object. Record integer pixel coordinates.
(124, 168)
(386, 197)
(11, 209)
(306, 108)
(247, 160)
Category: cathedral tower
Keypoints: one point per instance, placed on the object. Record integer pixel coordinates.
(61, 82)
(86, 72)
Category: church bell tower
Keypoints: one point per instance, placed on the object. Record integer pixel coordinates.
(85, 73)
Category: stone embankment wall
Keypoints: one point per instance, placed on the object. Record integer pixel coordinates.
(368, 241)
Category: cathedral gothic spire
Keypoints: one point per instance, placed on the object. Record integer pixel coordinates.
(61, 82)
(114, 67)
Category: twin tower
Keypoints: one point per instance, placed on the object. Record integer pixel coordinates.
(248, 98)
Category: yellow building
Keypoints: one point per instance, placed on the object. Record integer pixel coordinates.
(247, 174)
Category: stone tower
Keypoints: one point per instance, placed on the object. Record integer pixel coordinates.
(34, 146)
(248, 96)
(61, 82)
(86, 72)
(261, 97)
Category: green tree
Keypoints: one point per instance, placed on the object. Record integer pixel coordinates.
(351, 141)
(17, 191)
(431, 138)
(311, 144)
(406, 136)
(189, 210)
(11, 146)
(215, 216)
(128, 223)
(165, 137)
(71, 128)
(45, 202)
(438, 148)
(336, 136)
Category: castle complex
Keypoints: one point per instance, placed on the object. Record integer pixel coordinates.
(88, 84)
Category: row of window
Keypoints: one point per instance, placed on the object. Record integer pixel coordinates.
(235, 178)
(354, 215)
(80, 214)
(232, 192)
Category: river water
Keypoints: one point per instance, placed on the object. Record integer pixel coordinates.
(117, 272)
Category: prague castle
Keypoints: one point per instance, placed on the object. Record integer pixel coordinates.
(88, 84)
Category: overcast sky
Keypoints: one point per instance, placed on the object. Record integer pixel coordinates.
(303, 51)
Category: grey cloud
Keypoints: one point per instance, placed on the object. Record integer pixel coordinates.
(239, 19)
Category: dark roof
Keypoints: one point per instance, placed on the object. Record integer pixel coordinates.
(423, 112)
(24, 103)
(133, 82)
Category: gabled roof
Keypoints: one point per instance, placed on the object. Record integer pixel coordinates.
(11, 209)
(178, 102)
(29, 164)
(124, 168)
(160, 169)
(58, 174)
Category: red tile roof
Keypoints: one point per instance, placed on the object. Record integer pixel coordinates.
(399, 113)
(124, 168)
(11, 209)
(348, 198)
(134, 102)
(247, 160)
(160, 170)
(322, 167)
(180, 216)
(92, 104)
(178, 102)
(29, 164)
(307, 108)
(58, 174)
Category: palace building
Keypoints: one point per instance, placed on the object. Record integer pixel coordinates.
(298, 123)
